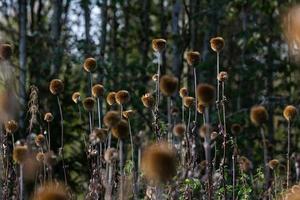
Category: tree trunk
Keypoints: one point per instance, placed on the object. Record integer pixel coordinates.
(87, 26)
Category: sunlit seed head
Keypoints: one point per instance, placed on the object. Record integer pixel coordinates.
(273, 164)
(128, 114)
(52, 191)
(121, 130)
(122, 97)
(40, 157)
(206, 94)
(56, 86)
(48, 117)
(11, 126)
(168, 85)
(217, 44)
(205, 130)
(89, 103)
(159, 45)
(100, 133)
(90, 64)
(76, 97)
(111, 118)
(183, 92)
(193, 58)
(214, 135)
(20, 153)
(245, 164)
(223, 76)
(258, 115)
(97, 90)
(155, 77)
(290, 112)
(148, 100)
(39, 140)
(111, 155)
(200, 108)
(179, 130)
(111, 98)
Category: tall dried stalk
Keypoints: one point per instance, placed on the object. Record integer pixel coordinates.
(224, 140)
(135, 172)
(288, 155)
(195, 91)
(21, 181)
(122, 174)
(267, 170)
(169, 120)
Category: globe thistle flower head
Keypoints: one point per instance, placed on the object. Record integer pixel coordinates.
(206, 94)
(97, 90)
(200, 108)
(273, 164)
(159, 45)
(89, 103)
(40, 157)
(214, 135)
(5, 51)
(48, 117)
(290, 112)
(179, 130)
(128, 114)
(193, 58)
(292, 193)
(236, 129)
(11, 126)
(39, 140)
(245, 164)
(223, 76)
(20, 153)
(183, 92)
(89, 64)
(122, 97)
(121, 130)
(188, 101)
(258, 115)
(155, 77)
(148, 100)
(168, 85)
(111, 118)
(52, 191)
(100, 133)
(159, 162)
(217, 44)
(111, 155)
(205, 130)
(76, 97)
(111, 98)
(56, 86)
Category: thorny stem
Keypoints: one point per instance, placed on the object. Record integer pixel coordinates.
(224, 140)
(62, 139)
(265, 157)
(288, 155)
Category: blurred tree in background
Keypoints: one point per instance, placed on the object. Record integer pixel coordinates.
(51, 39)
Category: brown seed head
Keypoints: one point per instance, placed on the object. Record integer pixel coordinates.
(11, 126)
(206, 94)
(290, 112)
(5, 51)
(89, 103)
(223, 76)
(90, 64)
(205, 130)
(273, 164)
(193, 58)
(128, 114)
(236, 129)
(200, 108)
(188, 101)
(121, 130)
(245, 164)
(98, 90)
(214, 135)
(111, 155)
(48, 117)
(40, 157)
(56, 86)
(292, 193)
(168, 85)
(52, 191)
(155, 77)
(159, 45)
(258, 115)
(148, 100)
(100, 133)
(122, 97)
(76, 97)
(111, 118)
(217, 44)
(179, 130)
(183, 92)
(111, 98)
(39, 140)
(159, 162)
(50, 158)
(20, 153)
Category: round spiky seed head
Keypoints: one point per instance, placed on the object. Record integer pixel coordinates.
(20, 153)
(128, 114)
(258, 115)
(206, 94)
(76, 97)
(89, 103)
(214, 135)
(273, 164)
(159, 162)
(179, 130)
(121, 130)
(100, 133)
(148, 100)
(174, 111)
(193, 58)
(39, 140)
(90, 64)
(122, 97)
(223, 76)
(50, 158)
(155, 77)
(200, 108)
(111, 155)
(5, 51)
(98, 90)
(56, 86)
(168, 85)
(183, 92)
(245, 164)
(159, 45)
(52, 191)
(236, 129)
(48, 117)
(40, 157)
(290, 112)
(217, 44)
(205, 130)
(292, 193)
(111, 118)
(111, 98)
(188, 101)
(11, 126)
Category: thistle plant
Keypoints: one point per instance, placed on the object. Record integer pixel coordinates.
(76, 98)
(89, 66)
(48, 117)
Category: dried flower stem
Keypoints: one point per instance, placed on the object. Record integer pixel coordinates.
(169, 121)
(218, 71)
(135, 172)
(196, 97)
(157, 83)
(224, 140)
(121, 151)
(21, 181)
(234, 156)
(49, 137)
(99, 110)
(288, 155)
(186, 133)
(267, 171)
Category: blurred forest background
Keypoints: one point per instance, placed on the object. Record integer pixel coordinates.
(51, 39)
